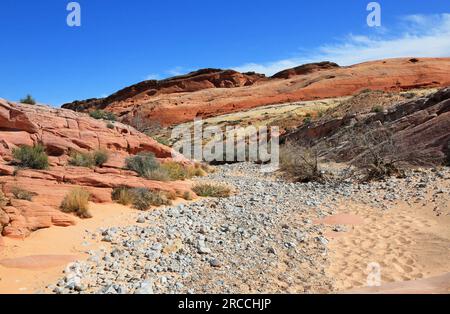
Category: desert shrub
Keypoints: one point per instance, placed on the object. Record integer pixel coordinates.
(33, 157)
(161, 140)
(300, 163)
(110, 125)
(28, 100)
(102, 115)
(196, 171)
(211, 190)
(145, 125)
(122, 195)
(175, 170)
(100, 157)
(22, 194)
(89, 160)
(379, 155)
(377, 109)
(144, 198)
(171, 195)
(142, 163)
(158, 174)
(409, 95)
(187, 196)
(77, 201)
(81, 160)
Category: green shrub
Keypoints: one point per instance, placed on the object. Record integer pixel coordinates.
(377, 109)
(100, 157)
(110, 125)
(162, 140)
(122, 195)
(77, 201)
(33, 157)
(28, 100)
(211, 190)
(89, 160)
(22, 194)
(81, 160)
(102, 115)
(142, 164)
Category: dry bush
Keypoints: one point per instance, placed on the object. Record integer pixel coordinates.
(300, 163)
(175, 170)
(145, 125)
(89, 160)
(212, 190)
(378, 154)
(158, 174)
(122, 195)
(22, 194)
(198, 170)
(142, 198)
(188, 196)
(77, 201)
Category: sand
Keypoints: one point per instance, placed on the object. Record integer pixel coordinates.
(27, 266)
(409, 243)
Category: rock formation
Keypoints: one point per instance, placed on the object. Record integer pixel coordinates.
(61, 132)
(421, 125)
(209, 93)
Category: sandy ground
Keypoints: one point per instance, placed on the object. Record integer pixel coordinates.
(410, 244)
(27, 266)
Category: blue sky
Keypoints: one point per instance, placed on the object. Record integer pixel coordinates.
(123, 42)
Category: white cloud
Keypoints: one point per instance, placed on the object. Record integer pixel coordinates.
(176, 71)
(416, 35)
(153, 76)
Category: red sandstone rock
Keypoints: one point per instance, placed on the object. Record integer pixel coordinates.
(183, 98)
(62, 131)
(421, 125)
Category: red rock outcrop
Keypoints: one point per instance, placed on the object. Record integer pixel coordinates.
(421, 125)
(182, 99)
(62, 131)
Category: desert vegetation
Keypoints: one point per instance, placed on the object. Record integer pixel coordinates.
(89, 160)
(141, 198)
(103, 115)
(33, 157)
(28, 100)
(77, 201)
(22, 194)
(301, 164)
(147, 166)
(212, 190)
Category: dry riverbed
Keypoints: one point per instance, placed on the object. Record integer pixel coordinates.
(270, 237)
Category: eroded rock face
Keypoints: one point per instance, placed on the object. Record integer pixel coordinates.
(421, 125)
(62, 131)
(184, 98)
(192, 82)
